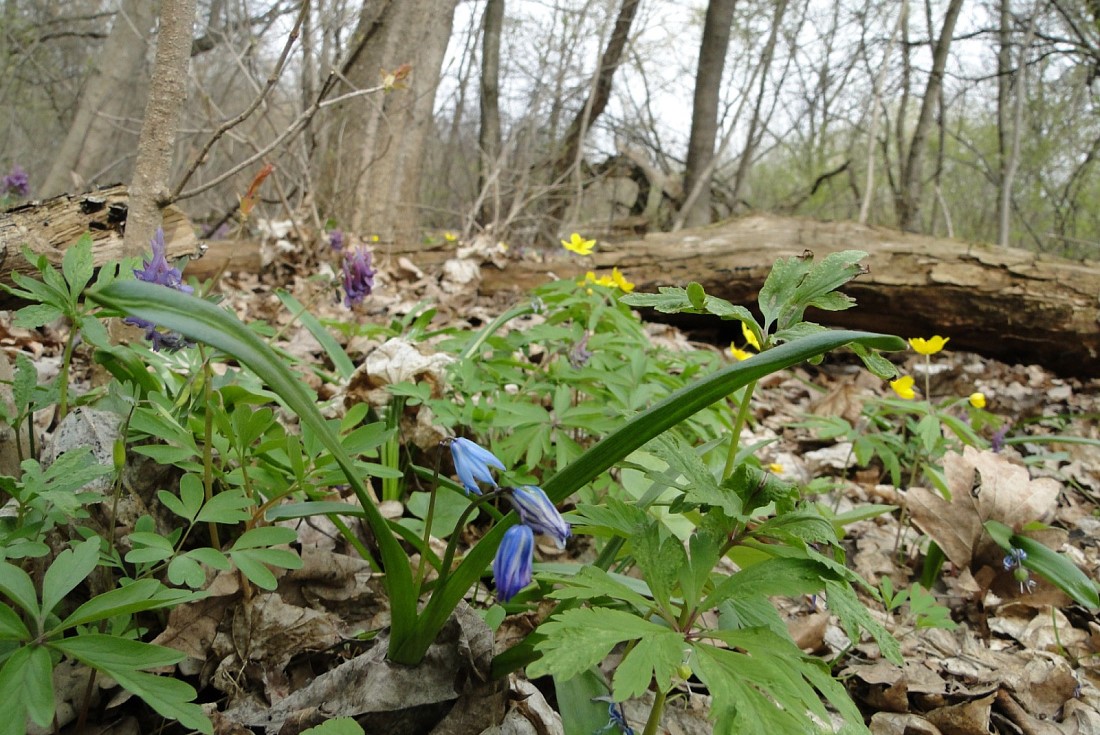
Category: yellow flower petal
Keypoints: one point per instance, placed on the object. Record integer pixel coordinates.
(740, 355)
(750, 337)
(977, 399)
(620, 281)
(928, 346)
(903, 386)
(775, 468)
(450, 236)
(577, 244)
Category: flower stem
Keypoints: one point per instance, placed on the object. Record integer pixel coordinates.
(738, 423)
(654, 720)
(63, 374)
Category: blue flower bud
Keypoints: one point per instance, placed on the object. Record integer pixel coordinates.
(512, 564)
(472, 464)
(536, 510)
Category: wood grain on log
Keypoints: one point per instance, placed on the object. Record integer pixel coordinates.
(1013, 305)
(50, 226)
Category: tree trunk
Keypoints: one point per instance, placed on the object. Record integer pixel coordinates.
(376, 173)
(569, 153)
(49, 227)
(489, 137)
(911, 184)
(118, 74)
(751, 140)
(872, 132)
(704, 112)
(167, 96)
(1009, 304)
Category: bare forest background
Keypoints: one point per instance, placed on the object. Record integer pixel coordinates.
(528, 119)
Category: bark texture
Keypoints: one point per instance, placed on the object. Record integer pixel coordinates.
(167, 96)
(376, 167)
(489, 135)
(95, 134)
(48, 227)
(704, 112)
(1005, 303)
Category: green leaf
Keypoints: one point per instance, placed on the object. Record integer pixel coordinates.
(77, 265)
(336, 726)
(1059, 571)
(580, 711)
(204, 322)
(312, 508)
(69, 568)
(11, 626)
(853, 616)
(655, 657)
(581, 638)
(36, 315)
(149, 547)
(231, 506)
(27, 682)
(660, 561)
(590, 582)
(18, 587)
(144, 594)
(256, 538)
(769, 578)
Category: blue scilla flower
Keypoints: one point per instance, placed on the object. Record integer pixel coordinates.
(1016, 557)
(472, 464)
(512, 564)
(537, 511)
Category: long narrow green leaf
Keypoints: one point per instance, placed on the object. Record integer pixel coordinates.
(202, 321)
(340, 359)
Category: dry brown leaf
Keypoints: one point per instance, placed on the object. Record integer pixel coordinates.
(965, 718)
(893, 723)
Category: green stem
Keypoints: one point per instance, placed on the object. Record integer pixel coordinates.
(493, 326)
(63, 374)
(391, 450)
(654, 720)
(207, 442)
(429, 518)
(738, 423)
(452, 542)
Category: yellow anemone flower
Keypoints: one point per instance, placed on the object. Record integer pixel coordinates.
(620, 280)
(903, 386)
(977, 399)
(928, 346)
(577, 244)
(750, 337)
(775, 468)
(740, 355)
(450, 236)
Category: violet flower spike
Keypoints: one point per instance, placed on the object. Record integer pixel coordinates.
(538, 512)
(513, 561)
(472, 463)
(17, 183)
(358, 276)
(336, 239)
(158, 270)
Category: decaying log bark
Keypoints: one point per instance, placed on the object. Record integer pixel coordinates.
(50, 226)
(1009, 304)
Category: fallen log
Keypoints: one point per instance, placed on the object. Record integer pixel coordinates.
(1013, 305)
(49, 227)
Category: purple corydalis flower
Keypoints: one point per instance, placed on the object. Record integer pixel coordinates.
(538, 512)
(513, 561)
(158, 270)
(580, 354)
(472, 463)
(16, 183)
(997, 443)
(336, 239)
(358, 276)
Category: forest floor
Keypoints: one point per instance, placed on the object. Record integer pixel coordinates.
(1007, 657)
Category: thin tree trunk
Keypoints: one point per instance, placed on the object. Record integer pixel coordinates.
(375, 180)
(93, 133)
(876, 104)
(569, 153)
(167, 97)
(489, 137)
(1004, 71)
(1013, 160)
(911, 184)
(751, 140)
(704, 113)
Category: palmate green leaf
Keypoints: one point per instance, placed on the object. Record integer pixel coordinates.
(26, 680)
(232, 506)
(590, 582)
(692, 300)
(701, 487)
(771, 577)
(336, 726)
(255, 538)
(654, 658)
(77, 265)
(204, 322)
(581, 638)
(854, 616)
(36, 315)
(660, 560)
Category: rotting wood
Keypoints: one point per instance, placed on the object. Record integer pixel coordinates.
(49, 227)
(1013, 305)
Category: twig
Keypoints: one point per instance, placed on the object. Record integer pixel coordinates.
(244, 114)
(293, 129)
